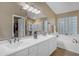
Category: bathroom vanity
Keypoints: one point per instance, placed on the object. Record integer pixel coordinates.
(28, 46)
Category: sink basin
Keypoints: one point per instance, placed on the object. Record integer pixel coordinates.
(14, 45)
(17, 44)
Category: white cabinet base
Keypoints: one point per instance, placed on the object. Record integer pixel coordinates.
(33, 51)
(23, 52)
(44, 48)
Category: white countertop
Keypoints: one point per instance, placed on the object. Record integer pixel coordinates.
(6, 48)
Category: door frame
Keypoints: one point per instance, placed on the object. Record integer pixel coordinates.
(13, 23)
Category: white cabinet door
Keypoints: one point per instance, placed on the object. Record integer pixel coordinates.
(33, 51)
(52, 45)
(23, 52)
(43, 49)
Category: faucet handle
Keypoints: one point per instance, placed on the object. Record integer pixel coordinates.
(12, 37)
(18, 39)
(10, 41)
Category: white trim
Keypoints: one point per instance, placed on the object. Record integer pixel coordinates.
(18, 16)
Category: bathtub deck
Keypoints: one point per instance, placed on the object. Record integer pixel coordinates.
(63, 52)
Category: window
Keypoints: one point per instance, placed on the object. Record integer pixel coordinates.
(67, 25)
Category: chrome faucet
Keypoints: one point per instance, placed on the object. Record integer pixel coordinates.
(16, 39)
(74, 40)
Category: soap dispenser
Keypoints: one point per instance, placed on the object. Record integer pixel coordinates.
(35, 34)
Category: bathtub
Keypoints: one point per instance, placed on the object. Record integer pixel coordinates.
(69, 42)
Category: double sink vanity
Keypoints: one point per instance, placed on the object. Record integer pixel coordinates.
(28, 46)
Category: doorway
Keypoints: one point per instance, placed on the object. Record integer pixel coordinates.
(18, 26)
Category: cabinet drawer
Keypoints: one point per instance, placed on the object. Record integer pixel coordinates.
(43, 49)
(33, 50)
(52, 45)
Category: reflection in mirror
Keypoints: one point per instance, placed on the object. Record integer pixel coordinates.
(41, 26)
(18, 27)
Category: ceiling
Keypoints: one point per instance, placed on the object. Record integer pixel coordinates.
(30, 14)
(63, 7)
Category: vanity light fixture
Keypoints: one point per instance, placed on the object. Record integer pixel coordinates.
(26, 7)
(38, 12)
(34, 11)
(30, 9)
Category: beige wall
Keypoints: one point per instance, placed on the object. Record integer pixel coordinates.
(6, 11)
(47, 11)
(73, 13)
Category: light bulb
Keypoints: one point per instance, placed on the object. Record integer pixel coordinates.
(38, 12)
(30, 9)
(26, 7)
(35, 10)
